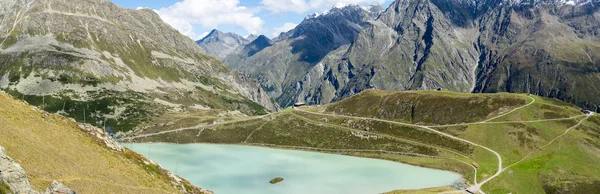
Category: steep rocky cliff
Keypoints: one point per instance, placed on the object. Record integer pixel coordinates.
(551, 49)
(545, 47)
(120, 65)
(280, 66)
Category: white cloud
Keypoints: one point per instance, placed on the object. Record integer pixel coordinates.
(286, 27)
(204, 34)
(302, 6)
(209, 14)
(298, 6)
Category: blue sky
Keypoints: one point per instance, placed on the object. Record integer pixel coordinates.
(195, 18)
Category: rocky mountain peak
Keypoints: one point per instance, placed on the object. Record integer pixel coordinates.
(339, 22)
(350, 10)
(251, 37)
(220, 44)
(260, 43)
(216, 35)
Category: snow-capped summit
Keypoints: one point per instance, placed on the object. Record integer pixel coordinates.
(312, 16)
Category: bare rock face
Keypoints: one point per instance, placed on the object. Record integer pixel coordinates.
(280, 64)
(219, 44)
(13, 174)
(546, 47)
(101, 134)
(58, 188)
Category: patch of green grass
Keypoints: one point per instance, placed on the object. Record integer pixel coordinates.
(544, 108)
(10, 41)
(103, 102)
(404, 132)
(4, 188)
(426, 107)
(288, 130)
(276, 180)
(223, 100)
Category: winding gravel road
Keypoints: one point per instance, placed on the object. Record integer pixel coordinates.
(474, 188)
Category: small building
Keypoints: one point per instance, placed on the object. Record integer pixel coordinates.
(299, 104)
(440, 89)
(587, 112)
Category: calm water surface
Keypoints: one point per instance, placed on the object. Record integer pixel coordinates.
(233, 169)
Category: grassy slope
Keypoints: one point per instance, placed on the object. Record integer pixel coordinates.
(572, 158)
(51, 147)
(428, 107)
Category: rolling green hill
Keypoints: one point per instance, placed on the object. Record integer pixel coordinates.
(545, 145)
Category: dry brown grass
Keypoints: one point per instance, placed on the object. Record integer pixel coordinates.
(51, 147)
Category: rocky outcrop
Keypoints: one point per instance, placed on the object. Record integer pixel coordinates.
(58, 188)
(13, 175)
(102, 135)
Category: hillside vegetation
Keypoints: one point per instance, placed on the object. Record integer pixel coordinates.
(430, 107)
(121, 66)
(545, 145)
(51, 147)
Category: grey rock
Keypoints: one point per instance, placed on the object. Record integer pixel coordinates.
(280, 66)
(219, 44)
(58, 188)
(13, 174)
(545, 47)
(15, 177)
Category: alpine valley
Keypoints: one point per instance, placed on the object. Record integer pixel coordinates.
(472, 96)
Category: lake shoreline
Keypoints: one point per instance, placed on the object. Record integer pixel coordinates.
(340, 152)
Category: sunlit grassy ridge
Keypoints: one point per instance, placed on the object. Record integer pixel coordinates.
(381, 124)
(51, 147)
(431, 107)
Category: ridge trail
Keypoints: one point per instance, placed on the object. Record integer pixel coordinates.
(476, 187)
(194, 127)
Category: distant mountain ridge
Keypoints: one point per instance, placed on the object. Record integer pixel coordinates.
(219, 44)
(279, 67)
(545, 47)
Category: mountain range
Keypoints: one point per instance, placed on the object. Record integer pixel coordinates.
(219, 44)
(545, 47)
(106, 65)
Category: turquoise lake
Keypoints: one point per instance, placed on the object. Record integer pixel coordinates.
(233, 169)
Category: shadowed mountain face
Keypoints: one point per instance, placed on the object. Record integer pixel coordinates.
(281, 66)
(120, 65)
(545, 47)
